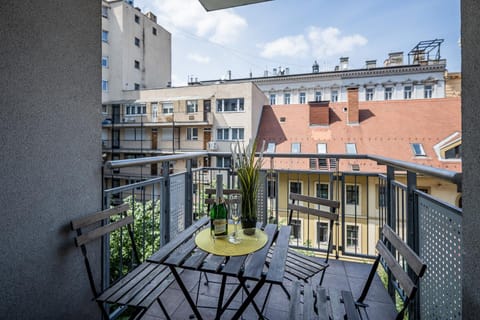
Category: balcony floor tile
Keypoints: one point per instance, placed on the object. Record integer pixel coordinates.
(341, 275)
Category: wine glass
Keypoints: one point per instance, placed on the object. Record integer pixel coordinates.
(235, 203)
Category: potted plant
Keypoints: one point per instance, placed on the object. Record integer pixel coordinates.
(247, 168)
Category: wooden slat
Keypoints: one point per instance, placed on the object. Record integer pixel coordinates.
(308, 312)
(98, 216)
(164, 252)
(100, 231)
(254, 266)
(161, 280)
(276, 269)
(294, 306)
(225, 191)
(313, 212)
(144, 267)
(181, 253)
(402, 277)
(213, 263)
(234, 265)
(323, 304)
(158, 290)
(195, 260)
(412, 258)
(350, 306)
(315, 200)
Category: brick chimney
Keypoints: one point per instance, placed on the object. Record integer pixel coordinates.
(352, 108)
(319, 113)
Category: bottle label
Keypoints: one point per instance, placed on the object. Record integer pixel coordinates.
(220, 227)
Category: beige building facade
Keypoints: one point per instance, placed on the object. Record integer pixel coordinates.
(136, 51)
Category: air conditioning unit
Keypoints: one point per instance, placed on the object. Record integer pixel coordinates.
(212, 146)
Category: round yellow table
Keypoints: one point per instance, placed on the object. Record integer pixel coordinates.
(222, 247)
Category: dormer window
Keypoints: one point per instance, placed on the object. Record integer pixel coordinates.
(417, 149)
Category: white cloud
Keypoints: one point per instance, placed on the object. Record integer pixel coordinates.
(198, 58)
(222, 26)
(316, 41)
(287, 46)
(330, 42)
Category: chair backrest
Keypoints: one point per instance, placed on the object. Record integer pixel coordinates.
(303, 204)
(90, 228)
(408, 282)
(212, 192)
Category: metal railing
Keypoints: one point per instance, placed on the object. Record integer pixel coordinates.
(368, 200)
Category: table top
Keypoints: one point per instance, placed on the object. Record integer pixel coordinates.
(183, 252)
(222, 247)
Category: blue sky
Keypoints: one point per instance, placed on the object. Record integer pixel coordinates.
(295, 33)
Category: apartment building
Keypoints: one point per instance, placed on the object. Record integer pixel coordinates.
(420, 74)
(136, 51)
(426, 132)
(182, 119)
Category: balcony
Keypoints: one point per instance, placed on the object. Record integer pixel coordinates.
(398, 196)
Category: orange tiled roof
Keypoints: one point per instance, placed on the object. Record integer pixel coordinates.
(386, 128)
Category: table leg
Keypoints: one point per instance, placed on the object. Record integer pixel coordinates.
(185, 292)
(220, 298)
(249, 300)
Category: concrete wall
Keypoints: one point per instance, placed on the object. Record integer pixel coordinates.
(50, 165)
(471, 156)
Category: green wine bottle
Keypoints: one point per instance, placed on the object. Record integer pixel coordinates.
(218, 212)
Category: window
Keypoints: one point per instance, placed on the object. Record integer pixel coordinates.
(134, 134)
(233, 105)
(133, 109)
(321, 148)
(154, 31)
(417, 149)
(136, 86)
(427, 91)
(334, 96)
(351, 148)
(104, 109)
(223, 134)
(322, 164)
(273, 99)
(271, 147)
(296, 187)
(296, 230)
(137, 42)
(192, 133)
(388, 93)
(104, 85)
(104, 35)
(352, 192)
(137, 19)
(237, 133)
(286, 98)
(407, 92)
(322, 232)
(115, 138)
(105, 11)
(105, 61)
(302, 97)
(136, 64)
(313, 163)
(154, 111)
(223, 162)
(192, 106)
(167, 108)
(295, 147)
(352, 236)
(369, 94)
(322, 190)
(382, 196)
(283, 119)
(272, 189)
(454, 153)
(230, 133)
(318, 96)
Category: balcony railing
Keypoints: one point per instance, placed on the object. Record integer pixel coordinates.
(167, 204)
